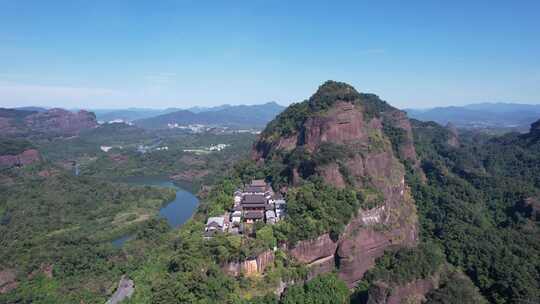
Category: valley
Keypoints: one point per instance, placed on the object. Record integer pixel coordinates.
(341, 198)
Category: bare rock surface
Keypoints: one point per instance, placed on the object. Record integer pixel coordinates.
(377, 139)
(125, 290)
(250, 267)
(8, 280)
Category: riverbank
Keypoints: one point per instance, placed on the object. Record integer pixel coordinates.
(176, 212)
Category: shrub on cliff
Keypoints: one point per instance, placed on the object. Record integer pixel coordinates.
(407, 264)
(316, 208)
(324, 289)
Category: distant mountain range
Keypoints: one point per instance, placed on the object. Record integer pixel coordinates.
(240, 116)
(481, 115)
(129, 114)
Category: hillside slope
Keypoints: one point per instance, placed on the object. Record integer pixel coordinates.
(349, 141)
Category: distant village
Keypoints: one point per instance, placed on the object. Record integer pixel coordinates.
(257, 202)
(214, 129)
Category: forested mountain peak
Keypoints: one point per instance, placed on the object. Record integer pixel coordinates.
(327, 96)
(339, 157)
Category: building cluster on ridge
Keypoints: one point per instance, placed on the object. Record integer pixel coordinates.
(257, 202)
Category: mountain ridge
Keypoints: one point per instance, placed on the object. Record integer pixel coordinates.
(241, 116)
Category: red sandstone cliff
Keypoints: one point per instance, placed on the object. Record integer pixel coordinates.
(54, 121)
(61, 121)
(249, 267)
(373, 162)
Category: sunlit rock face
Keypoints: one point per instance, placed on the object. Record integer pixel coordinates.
(378, 139)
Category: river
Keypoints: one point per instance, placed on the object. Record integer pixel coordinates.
(176, 212)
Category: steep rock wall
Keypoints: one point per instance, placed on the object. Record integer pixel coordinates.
(375, 138)
(312, 250)
(252, 266)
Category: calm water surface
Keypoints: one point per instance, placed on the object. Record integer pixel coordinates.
(176, 212)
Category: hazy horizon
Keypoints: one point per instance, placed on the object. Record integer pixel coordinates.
(100, 55)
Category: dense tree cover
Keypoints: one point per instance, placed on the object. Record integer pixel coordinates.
(124, 160)
(10, 146)
(316, 208)
(323, 289)
(399, 267)
(425, 262)
(397, 136)
(50, 218)
(455, 288)
(407, 264)
(468, 205)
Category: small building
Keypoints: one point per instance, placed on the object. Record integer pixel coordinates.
(257, 186)
(253, 216)
(216, 223)
(258, 183)
(105, 148)
(253, 202)
(236, 217)
(237, 197)
(270, 217)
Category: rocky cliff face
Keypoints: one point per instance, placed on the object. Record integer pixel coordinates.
(25, 158)
(61, 121)
(54, 121)
(252, 266)
(376, 138)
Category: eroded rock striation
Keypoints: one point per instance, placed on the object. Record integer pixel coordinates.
(375, 141)
(252, 266)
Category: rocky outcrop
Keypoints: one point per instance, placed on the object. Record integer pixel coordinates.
(375, 138)
(50, 122)
(398, 119)
(60, 121)
(312, 250)
(25, 158)
(125, 290)
(252, 266)
(341, 124)
(8, 280)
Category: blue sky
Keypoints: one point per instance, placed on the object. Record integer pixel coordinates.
(114, 54)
